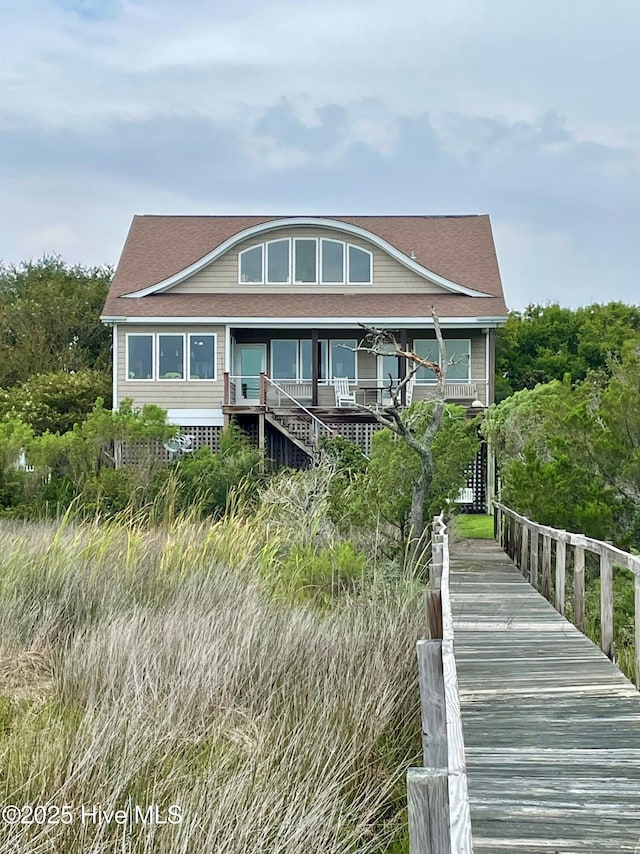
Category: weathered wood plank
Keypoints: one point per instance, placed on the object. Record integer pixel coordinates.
(546, 566)
(578, 587)
(636, 598)
(561, 563)
(533, 574)
(433, 603)
(524, 552)
(434, 725)
(606, 604)
(551, 726)
(427, 802)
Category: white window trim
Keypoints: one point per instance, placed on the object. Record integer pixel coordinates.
(294, 241)
(213, 335)
(449, 380)
(345, 250)
(330, 358)
(366, 251)
(319, 279)
(181, 379)
(260, 246)
(265, 262)
(126, 357)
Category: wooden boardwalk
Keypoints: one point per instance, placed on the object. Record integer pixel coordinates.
(551, 726)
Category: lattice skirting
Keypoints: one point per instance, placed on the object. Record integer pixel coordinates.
(361, 434)
(135, 453)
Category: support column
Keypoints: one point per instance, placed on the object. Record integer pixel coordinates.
(315, 366)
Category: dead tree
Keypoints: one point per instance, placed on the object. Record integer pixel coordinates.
(378, 341)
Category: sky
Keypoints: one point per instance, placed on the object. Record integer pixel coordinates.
(528, 110)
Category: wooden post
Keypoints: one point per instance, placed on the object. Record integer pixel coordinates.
(315, 366)
(524, 551)
(428, 808)
(533, 571)
(578, 587)
(435, 574)
(561, 564)
(263, 389)
(434, 724)
(227, 390)
(546, 566)
(637, 622)
(606, 603)
(433, 603)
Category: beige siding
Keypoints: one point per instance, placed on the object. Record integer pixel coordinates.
(171, 394)
(388, 274)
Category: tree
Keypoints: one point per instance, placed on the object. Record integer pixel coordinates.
(56, 402)
(416, 427)
(544, 343)
(570, 454)
(50, 319)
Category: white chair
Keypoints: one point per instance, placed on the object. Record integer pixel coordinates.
(344, 397)
(409, 391)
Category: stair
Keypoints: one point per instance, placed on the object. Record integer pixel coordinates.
(295, 427)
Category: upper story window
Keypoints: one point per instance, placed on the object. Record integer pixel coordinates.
(305, 260)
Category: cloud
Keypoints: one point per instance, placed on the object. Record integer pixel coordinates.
(519, 110)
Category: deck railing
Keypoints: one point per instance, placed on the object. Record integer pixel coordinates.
(437, 794)
(520, 538)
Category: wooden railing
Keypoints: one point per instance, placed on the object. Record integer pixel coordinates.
(437, 794)
(520, 538)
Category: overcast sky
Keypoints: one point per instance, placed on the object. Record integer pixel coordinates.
(524, 109)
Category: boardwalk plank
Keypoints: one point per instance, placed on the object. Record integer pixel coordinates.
(551, 726)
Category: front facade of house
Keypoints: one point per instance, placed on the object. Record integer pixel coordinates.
(257, 317)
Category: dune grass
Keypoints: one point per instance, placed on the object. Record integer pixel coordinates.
(166, 667)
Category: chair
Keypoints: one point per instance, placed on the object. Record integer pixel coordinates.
(409, 391)
(344, 397)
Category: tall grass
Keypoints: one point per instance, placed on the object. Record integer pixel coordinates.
(162, 667)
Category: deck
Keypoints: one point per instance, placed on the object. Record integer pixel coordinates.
(551, 726)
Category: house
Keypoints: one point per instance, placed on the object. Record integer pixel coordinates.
(257, 318)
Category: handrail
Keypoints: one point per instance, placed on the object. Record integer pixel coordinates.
(314, 418)
(438, 795)
(519, 536)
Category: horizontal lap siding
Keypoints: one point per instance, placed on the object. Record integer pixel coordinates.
(388, 274)
(172, 394)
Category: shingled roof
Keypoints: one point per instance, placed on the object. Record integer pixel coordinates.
(458, 248)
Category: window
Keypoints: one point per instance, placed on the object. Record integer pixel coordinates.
(332, 261)
(343, 358)
(284, 359)
(251, 265)
(458, 352)
(305, 260)
(278, 261)
(359, 265)
(202, 357)
(305, 359)
(170, 357)
(140, 357)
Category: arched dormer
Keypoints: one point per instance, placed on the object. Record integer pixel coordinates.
(310, 255)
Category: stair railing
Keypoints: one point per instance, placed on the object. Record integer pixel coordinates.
(318, 427)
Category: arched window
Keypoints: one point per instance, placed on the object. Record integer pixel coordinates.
(305, 260)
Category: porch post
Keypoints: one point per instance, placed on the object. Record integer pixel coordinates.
(315, 366)
(404, 342)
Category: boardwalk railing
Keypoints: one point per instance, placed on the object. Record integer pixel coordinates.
(520, 538)
(437, 794)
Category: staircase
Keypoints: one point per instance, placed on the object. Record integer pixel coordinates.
(293, 419)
